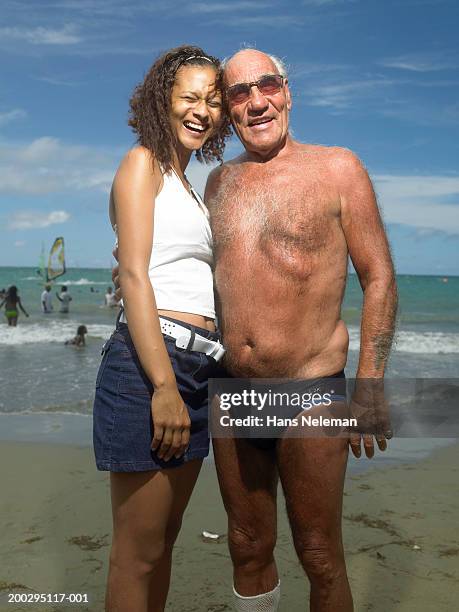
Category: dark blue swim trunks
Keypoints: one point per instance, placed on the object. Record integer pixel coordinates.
(284, 401)
(123, 426)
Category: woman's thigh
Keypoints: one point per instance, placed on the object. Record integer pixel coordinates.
(148, 507)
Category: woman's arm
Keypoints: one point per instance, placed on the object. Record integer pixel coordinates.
(136, 185)
(22, 307)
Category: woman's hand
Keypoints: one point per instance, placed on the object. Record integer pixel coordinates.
(171, 423)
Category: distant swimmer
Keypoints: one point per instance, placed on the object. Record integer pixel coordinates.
(64, 298)
(79, 339)
(110, 299)
(12, 302)
(47, 300)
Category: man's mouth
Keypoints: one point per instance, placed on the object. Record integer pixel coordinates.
(260, 121)
(197, 128)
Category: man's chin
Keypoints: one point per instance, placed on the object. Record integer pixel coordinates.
(263, 146)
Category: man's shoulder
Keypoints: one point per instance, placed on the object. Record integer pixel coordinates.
(343, 160)
(218, 173)
(330, 154)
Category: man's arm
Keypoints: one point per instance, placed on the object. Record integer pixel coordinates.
(369, 250)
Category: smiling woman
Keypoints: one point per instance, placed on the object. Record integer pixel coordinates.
(151, 104)
(150, 409)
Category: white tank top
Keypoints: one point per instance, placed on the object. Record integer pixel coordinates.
(181, 259)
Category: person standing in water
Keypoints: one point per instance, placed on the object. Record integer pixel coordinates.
(64, 298)
(12, 302)
(46, 300)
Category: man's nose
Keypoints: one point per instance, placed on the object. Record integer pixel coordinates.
(257, 100)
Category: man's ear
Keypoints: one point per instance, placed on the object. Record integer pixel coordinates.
(288, 95)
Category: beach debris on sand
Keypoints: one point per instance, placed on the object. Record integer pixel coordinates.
(31, 540)
(208, 536)
(10, 586)
(86, 542)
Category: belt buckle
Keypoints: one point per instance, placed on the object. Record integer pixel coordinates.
(218, 351)
(182, 341)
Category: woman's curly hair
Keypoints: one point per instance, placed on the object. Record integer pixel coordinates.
(151, 102)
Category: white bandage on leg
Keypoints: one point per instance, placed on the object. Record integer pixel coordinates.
(265, 602)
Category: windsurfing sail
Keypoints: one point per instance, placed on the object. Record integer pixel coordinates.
(41, 262)
(56, 260)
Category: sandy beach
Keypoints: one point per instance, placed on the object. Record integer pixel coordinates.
(401, 545)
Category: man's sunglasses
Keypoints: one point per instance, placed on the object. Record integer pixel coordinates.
(268, 85)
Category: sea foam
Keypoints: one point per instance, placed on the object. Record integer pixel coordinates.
(431, 343)
(52, 331)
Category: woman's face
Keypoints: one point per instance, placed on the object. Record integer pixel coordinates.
(196, 106)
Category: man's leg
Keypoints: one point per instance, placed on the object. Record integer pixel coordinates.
(248, 483)
(312, 473)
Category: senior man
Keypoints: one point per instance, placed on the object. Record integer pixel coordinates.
(285, 217)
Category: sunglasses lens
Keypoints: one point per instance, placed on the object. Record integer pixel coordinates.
(238, 93)
(270, 84)
(267, 85)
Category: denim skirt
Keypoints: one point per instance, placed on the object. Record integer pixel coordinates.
(123, 425)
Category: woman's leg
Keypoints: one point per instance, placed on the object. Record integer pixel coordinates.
(147, 512)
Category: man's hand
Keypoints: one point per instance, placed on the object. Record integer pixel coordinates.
(171, 424)
(369, 406)
(116, 276)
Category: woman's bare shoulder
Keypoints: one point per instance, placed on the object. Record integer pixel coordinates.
(139, 157)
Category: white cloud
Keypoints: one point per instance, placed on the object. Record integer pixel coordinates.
(42, 36)
(35, 219)
(419, 201)
(340, 96)
(418, 63)
(301, 69)
(19, 243)
(253, 21)
(324, 2)
(56, 81)
(224, 7)
(47, 165)
(12, 115)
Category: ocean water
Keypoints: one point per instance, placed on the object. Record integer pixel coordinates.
(39, 374)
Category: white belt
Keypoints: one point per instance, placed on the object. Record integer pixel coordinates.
(187, 339)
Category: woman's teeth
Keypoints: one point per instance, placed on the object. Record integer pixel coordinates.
(194, 126)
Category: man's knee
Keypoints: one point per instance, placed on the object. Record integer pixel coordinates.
(251, 547)
(321, 558)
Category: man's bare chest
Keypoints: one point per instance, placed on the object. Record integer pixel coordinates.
(289, 214)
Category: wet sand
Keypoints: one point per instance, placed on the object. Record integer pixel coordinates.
(400, 530)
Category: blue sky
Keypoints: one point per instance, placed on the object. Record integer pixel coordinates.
(381, 78)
